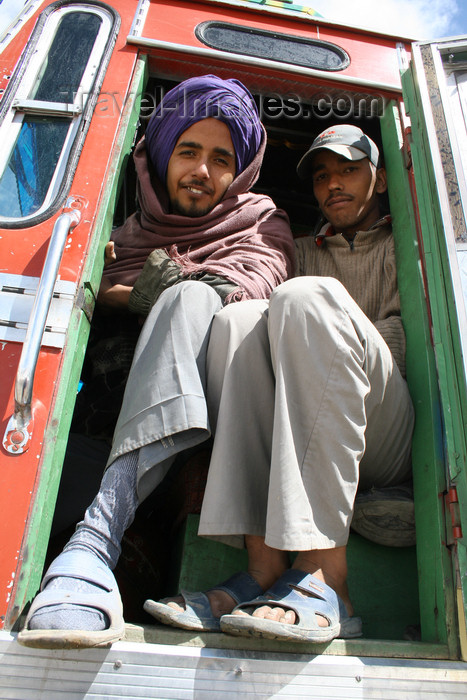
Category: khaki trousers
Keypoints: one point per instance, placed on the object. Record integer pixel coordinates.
(307, 405)
(164, 408)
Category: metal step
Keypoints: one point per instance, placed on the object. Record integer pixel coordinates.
(141, 670)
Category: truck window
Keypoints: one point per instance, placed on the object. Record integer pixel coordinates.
(43, 113)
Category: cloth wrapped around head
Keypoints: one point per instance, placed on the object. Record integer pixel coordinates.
(200, 98)
(244, 239)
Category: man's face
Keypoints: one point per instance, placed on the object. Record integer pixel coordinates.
(347, 191)
(201, 168)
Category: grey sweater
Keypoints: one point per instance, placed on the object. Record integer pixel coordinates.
(367, 269)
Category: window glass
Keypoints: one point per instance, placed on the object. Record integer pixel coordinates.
(26, 179)
(61, 67)
(310, 53)
(64, 65)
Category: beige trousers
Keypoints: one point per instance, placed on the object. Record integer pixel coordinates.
(307, 405)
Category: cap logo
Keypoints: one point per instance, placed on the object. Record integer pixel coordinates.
(346, 140)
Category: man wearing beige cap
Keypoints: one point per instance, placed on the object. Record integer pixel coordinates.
(311, 403)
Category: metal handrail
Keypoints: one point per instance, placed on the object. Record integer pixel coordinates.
(18, 432)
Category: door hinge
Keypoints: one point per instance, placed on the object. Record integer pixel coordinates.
(86, 300)
(452, 508)
(407, 146)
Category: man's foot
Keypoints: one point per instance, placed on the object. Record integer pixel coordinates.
(326, 565)
(221, 602)
(386, 516)
(202, 611)
(299, 607)
(289, 616)
(79, 605)
(66, 615)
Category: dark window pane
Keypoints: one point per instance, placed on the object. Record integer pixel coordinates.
(67, 57)
(270, 45)
(24, 184)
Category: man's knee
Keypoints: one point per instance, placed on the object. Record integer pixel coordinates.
(192, 299)
(240, 317)
(305, 287)
(310, 295)
(188, 305)
(191, 291)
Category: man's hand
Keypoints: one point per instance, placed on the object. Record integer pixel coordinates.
(109, 254)
(159, 273)
(112, 296)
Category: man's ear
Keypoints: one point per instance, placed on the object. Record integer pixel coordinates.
(381, 181)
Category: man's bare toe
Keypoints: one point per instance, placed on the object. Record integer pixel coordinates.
(265, 611)
(288, 617)
(177, 604)
(281, 615)
(322, 621)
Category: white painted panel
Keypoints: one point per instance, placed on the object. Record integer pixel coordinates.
(17, 293)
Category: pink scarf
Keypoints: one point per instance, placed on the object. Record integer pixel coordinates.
(244, 239)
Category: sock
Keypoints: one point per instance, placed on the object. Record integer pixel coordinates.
(101, 531)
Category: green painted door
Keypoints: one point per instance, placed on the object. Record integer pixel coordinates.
(435, 92)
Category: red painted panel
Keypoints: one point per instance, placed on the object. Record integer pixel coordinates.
(372, 57)
(22, 252)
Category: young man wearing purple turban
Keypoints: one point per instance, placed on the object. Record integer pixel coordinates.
(201, 240)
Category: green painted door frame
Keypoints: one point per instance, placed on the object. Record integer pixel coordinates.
(438, 171)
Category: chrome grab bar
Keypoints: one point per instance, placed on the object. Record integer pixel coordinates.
(19, 429)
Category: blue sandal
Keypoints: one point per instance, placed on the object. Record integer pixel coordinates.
(81, 565)
(317, 599)
(198, 614)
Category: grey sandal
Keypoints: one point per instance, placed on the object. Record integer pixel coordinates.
(308, 597)
(198, 614)
(85, 566)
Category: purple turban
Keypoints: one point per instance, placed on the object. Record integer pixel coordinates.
(200, 98)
